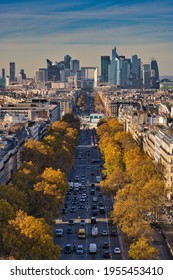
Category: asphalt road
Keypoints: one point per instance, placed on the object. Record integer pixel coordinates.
(88, 163)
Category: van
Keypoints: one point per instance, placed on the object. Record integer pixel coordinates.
(92, 248)
(94, 199)
(82, 233)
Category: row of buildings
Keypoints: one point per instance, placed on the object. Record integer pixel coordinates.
(148, 116)
(25, 118)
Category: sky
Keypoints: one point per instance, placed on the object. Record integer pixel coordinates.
(33, 30)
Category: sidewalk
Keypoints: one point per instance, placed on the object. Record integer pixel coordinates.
(167, 232)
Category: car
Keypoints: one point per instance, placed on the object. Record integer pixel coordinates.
(71, 222)
(100, 203)
(105, 245)
(63, 211)
(102, 210)
(73, 209)
(67, 249)
(81, 206)
(94, 206)
(93, 220)
(95, 213)
(88, 166)
(82, 222)
(106, 254)
(113, 233)
(82, 199)
(104, 232)
(117, 250)
(80, 250)
(69, 230)
(59, 232)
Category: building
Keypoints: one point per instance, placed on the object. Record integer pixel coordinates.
(158, 144)
(3, 73)
(75, 66)
(105, 61)
(146, 76)
(155, 83)
(67, 62)
(12, 72)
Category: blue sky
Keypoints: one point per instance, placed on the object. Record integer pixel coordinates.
(31, 31)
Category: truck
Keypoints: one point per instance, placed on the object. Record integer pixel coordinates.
(94, 231)
(82, 233)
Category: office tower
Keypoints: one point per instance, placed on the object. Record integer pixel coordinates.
(154, 74)
(146, 76)
(112, 73)
(49, 63)
(23, 75)
(41, 75)
(136, 66)
(67, 62)
(64, 74)
(105, 61)
(53, 73)
(75, 66)
(3, 73)
(114, 54)
(123, 71)
(12, 72)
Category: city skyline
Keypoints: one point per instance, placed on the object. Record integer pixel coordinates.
(32, 31)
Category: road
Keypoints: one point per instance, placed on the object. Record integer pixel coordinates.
(87, 165)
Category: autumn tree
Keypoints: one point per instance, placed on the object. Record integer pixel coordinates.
(142, 250)
(28, 238)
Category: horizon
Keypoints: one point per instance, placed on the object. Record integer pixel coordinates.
(32, 31)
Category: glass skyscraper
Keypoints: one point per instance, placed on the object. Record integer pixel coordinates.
(105, 61)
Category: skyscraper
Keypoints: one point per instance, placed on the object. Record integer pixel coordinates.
(3, 73)
(12, 72)
(105, 61)
(136, 66)
(67, 62)
(154, 74)
(146, 76)
(114, 54)
(75, 65)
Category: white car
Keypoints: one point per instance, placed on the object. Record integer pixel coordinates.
(117, 250)
(104, 232)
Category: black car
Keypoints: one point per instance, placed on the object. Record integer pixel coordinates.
(106, 254)
(67, 249)
(63, 211)
(95, 213)
(113, 233)
(71, 222)
(69, 230)
(106, 245)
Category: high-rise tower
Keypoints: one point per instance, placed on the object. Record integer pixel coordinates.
(154, 74)
(105, 61)
(12, 72)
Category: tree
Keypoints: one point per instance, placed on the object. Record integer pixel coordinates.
(28, 238)
(16, 198)
(141, 250)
